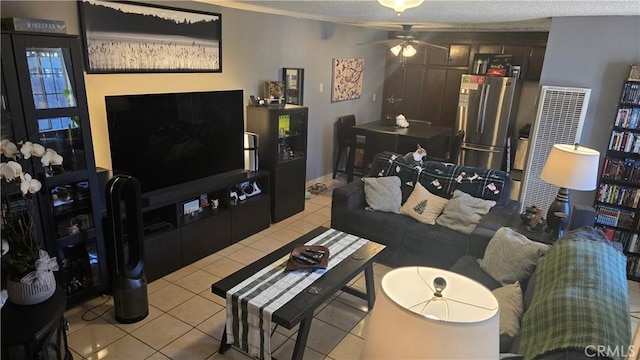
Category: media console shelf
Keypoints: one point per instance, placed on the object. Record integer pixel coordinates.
(176, 237)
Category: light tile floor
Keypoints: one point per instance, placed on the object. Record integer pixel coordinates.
(185, 319)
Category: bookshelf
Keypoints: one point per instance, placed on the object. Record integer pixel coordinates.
(618, 197)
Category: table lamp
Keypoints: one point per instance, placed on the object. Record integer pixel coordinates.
(430, 313)
(569, 167)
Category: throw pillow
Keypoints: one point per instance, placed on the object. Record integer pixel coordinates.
(423, 205)
(464, 212)
(511, 307)
(383, 193)
(511, 257)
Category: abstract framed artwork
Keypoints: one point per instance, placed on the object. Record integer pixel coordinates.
(347, 79)
(121, 37)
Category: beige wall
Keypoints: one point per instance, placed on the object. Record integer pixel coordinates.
(255, 47)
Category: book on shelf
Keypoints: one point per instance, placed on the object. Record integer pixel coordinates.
(631, 93)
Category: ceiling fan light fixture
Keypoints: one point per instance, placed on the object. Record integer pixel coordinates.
(400, 5)
(396, 50)
(409, 51)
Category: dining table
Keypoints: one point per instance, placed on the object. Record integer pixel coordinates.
(385, 135)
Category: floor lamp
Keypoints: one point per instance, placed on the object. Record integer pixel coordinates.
(429, 313)
(568, 167)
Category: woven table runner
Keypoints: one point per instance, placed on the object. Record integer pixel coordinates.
(251, 303)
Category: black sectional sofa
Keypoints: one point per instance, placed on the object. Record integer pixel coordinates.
(408, 241)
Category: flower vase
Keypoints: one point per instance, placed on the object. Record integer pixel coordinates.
(32, 292)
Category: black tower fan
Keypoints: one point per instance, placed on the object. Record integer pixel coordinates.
(126, 249)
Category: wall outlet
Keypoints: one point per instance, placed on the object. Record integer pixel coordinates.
(374, 97)
(321, 87)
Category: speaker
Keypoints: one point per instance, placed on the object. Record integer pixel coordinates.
(251, 151)
(582, 215)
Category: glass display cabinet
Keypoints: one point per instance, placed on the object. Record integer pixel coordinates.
(282, 150)
(44, 101)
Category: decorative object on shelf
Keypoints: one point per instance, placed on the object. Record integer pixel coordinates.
(399, 6)
(569, 167)
(149, 38)
(429, 310)
(347, 79)
(293, 79)
(272, 92)
(528, 214)
(634, 73)
(30, 278)
(401, 121)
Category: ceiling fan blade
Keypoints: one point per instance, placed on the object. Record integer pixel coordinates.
(413, 41)
(389, 42)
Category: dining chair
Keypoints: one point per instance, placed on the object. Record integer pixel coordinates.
(454, 149)
(343, 130)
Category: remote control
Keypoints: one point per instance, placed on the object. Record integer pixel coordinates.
(304, 259)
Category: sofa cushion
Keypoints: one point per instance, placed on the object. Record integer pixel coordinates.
(383, 193)
(423, 205)
(511, 257)
(391, 164)
(443, 179)
(464, 212)
(511, 307)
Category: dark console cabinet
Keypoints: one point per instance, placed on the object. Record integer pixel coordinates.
(175, 238)
(282, 151)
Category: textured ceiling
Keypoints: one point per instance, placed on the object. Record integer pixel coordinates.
(454, 15)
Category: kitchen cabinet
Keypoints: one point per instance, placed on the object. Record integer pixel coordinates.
(528, 57)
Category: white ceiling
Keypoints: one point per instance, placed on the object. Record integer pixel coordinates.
(453, 15)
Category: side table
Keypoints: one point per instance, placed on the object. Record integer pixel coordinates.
(542, 236)
(33, 328)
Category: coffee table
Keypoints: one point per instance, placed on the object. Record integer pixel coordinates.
(300, 309)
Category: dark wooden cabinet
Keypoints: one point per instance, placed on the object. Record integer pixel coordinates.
(458, 55)
(44, 100)
(528, 57)
(282, 151)
(426, 86)
(162, 253)
(205, 237)
(174, 239)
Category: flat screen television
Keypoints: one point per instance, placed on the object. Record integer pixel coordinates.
(170, 139)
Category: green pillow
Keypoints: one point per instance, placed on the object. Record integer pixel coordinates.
(383, 193)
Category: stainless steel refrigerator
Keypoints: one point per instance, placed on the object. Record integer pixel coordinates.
(487, 108)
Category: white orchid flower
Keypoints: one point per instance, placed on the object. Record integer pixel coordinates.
(10, 170)
(51, 157)
(56, 159)
(38, 150)
(26, 149)
(30, 185)
(8, 148)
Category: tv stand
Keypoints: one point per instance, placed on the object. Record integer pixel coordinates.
(174, 238)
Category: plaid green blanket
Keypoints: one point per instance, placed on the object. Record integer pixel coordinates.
(580, 300)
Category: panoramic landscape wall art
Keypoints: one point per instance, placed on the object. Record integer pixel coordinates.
(124, 37)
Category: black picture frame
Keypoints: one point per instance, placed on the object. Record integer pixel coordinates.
(130, 37)
(293, 79)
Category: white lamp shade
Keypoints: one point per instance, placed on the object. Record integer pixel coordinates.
(398, 328)
(572, 167)
(400, 5)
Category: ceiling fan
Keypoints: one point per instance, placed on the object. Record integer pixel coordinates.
(404, 41)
